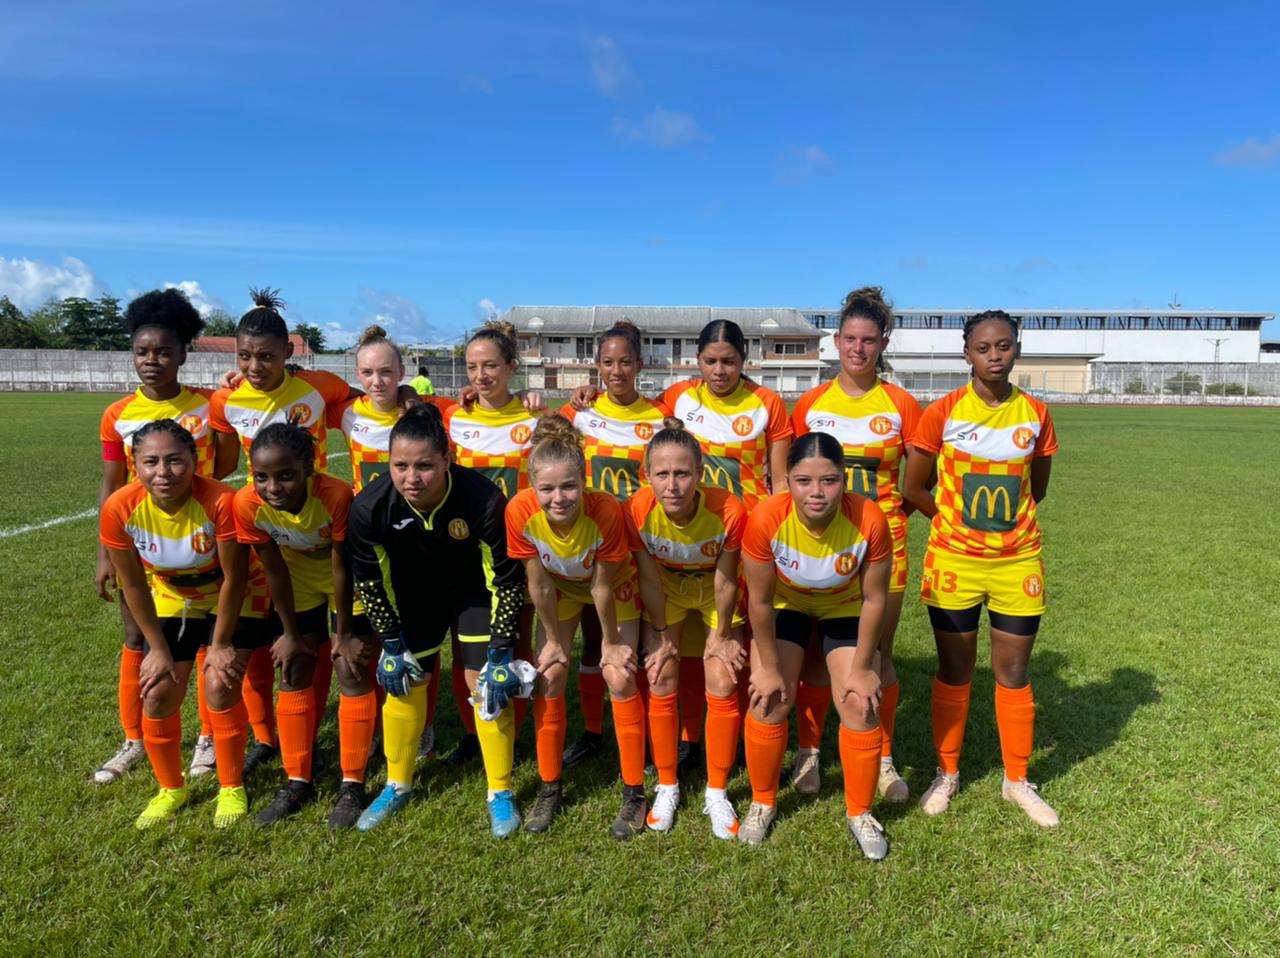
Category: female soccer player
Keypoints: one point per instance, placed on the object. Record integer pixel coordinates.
(171, 540)
(296, 520)
(873, 420)
(992, 444)
(428, 550)
(816, 555)
(691, 540)
(162, 324)
(616, 428)
(576, 547)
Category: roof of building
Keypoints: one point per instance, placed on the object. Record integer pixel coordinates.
(227, 344)
(569, 320)
(1212, 313)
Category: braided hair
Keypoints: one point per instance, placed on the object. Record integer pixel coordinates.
(286, 435)
(264, 318)
(166, 427)
(974, 321)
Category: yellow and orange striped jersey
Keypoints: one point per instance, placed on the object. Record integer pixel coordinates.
(817, 574)
(614, 440)
(305, 538)
(717, 526)
(124, 417)
(735, 432)
(984, 471)
(494, 442)
(303, 399)
(368, 432)
(180, 551)
(873, 429)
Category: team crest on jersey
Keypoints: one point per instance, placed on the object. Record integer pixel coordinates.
(299, 414)
(644, 431)
(325, 531)
(589, 559)
(1023, 437)
(1033, 586)
(202, 542)
(710, 549)
(520, 434)
(844, 563)
(623, 592)
(459, 529)
(190, 423)
(881, 425)
(743, 425)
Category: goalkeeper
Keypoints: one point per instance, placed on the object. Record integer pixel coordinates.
(427, 546)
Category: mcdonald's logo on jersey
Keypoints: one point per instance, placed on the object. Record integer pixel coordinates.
(881, 425)
(1033, 586)
(520, 434)
(844, 563)
(742, 426)
(990, 502)
(299, 414)
(860, 475)
(644, 431)
(1023, 437)
(721, 472)
(617, 482)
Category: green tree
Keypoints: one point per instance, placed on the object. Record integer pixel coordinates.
(219, 323)
(90, 324)
(1134, 387)
(1183, 384)
(47, 321)
(16, 331)
(313, 336)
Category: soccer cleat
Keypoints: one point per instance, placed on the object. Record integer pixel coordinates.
(504, 817)
(724, 820)
(231, 805)
(663, 813)
(463, 752)
(289, 800)
(937, 797)
(203, 760)
(389, 802)
(260, 754)
(869, 834)
(128, 755)
(806, 776)
(346, 812)
(427, 744)
(630, 820)
(545, 807)
(162, 808)
(588, 746)
(690, 759)
(891, 786)
(1023, 794)
(756, 825)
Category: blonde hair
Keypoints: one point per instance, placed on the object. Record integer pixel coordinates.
(375, 335)
(555, 440)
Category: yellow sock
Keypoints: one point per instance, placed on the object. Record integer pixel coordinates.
(497, 747)
(403, 720)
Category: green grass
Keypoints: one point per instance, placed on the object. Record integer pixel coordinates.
(1158, 730)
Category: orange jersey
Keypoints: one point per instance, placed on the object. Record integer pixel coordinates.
(717, 526)
(874, 430)
(494, 442)
(601, 533)
(735, 432)
(368, 432)
(302, 398)
(614, 440)
(179, 551)
(984, 476)
(817, 573)
(124, 417)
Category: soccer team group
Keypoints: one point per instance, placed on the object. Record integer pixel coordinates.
(727, 564)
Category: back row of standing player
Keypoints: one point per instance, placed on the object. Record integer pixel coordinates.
(745, 435)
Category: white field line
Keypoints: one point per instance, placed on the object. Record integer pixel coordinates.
(62, 520)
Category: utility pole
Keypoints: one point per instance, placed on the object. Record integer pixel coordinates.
(1217, 352)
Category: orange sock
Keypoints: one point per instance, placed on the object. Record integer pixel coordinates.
(549, 728)
(664, 735)
(131, 693)
(591, 698)
(258, 690)
(466, 711)
(433, 693)
(693, 697)
(812, 702)
(860, 761)
(230, 732)
(202, 707)
(321, 680)
(295, 711)
(950, 712)
(1016, 720)
(163, 740)
(628, 725)
(766, 747)
(888, 715)
(724, 723)
(356, 716)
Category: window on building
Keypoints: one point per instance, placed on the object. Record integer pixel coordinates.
(557, 339)
(770, 382)
(804, 382)
(789, 349)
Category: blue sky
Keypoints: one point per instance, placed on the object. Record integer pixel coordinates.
(424, 163)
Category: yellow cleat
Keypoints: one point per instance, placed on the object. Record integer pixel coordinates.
(162, 808)
(231, 805)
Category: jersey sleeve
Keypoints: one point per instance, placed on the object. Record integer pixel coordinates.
(370, 572)
(875, 529)
(673, 393)
(568, 412)
(245, 508)
(218, 411)
(799, 415)
(333, 414)
(115, 513)
(1047, 444)
(224, 514)
(504, 572)
(734, 516)
(333, 389)
(336, 496)
(109, 434)
(606, 512)
(928, 431)
(779, 426)
(757, 538)
(908, 408)
(516, 516)
(637, 507)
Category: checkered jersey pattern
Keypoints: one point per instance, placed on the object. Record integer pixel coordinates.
(124, 417)
(614, 441)
(302, 398)
(495, 442)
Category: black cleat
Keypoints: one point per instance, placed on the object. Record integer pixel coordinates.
(545, 807)
(350, 804)
(288, 801)
(588, 746)
(259, 755)
(465, 751)
(691, 759)
(630, 820)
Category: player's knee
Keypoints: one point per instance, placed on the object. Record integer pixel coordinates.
(719, 681)
(551, 683)
(352, 680)
(621, 683)
(668, 679)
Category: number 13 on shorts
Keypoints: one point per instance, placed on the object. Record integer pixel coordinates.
(1013, 585)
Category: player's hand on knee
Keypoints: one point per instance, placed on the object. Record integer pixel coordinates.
(398, 669)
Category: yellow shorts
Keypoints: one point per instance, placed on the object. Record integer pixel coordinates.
(690, 593)
(573, 597)
(1012, 586)
(846, 604)
(898, 529)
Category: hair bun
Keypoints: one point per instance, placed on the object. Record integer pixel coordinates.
(266, 298)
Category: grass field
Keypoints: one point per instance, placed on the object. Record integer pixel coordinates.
(1158, 728)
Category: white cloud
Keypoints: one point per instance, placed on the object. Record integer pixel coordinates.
(662, 128)
(1253, 153)
(28, 283)
(801, 164)
(609, 68)
(403, 319)
(487, 309)
(204, 303)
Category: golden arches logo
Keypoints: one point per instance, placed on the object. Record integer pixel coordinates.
(718, 477)
(459, 529)
(998, 493)
(299, 414)
(743, 425)
(881, 425)
(520, 434)
(202, 542)
(1033, 586)
(613, 481)
(643, 431)
(845, 563)
(1023, 437)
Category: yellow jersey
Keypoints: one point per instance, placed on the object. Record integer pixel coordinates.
(302, 398)
(615, 438)
(124, 417)
(494, 442)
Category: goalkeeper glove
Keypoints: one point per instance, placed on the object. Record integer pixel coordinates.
(397, 667)
(498, 684)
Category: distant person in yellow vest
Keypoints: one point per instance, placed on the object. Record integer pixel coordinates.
(421, 384)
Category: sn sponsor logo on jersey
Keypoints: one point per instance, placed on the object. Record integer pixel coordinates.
(693, 417)
(822, 422)
(469, 434)
(520, 434)
(248, 422)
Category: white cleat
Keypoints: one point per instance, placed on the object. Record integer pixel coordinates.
(757, 823)
(869, 834)
(724, 820)
(129, 755)
(203, 759)
(1023, 794)
(891, 786)
(662, 814)
(806, 776)
(937, 797)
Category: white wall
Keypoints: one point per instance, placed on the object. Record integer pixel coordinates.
(1107, 345)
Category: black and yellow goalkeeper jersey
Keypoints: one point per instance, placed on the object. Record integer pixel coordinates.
(408, 566)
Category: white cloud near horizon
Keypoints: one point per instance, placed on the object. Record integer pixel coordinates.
(202, 301)
(662, 129)
(29, 283)
(1251, 153)
(487, 309)
(403, 319)
(797, 165)
(610, 71)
